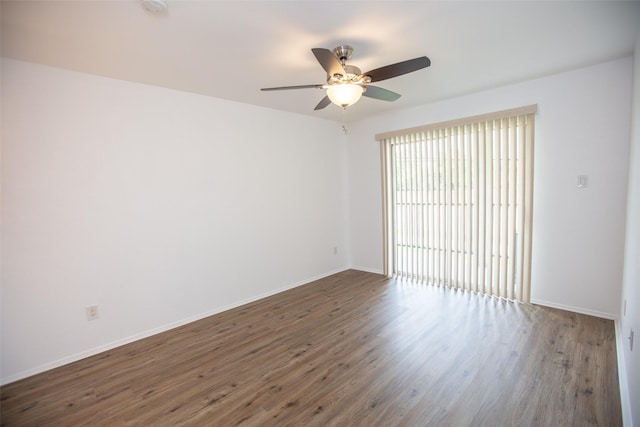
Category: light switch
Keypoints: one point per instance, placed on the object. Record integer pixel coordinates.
(583, 181)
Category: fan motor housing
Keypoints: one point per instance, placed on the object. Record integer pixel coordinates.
(353, 76)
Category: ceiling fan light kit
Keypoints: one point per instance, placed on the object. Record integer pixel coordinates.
(345, 94)
(346, 84)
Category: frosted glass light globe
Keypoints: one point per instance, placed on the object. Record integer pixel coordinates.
(344, 95)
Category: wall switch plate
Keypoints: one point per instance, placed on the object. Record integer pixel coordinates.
(92, 312)
(583, 181)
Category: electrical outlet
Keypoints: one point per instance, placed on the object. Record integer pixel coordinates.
(631, 340)
(335, 250)
(92, 312)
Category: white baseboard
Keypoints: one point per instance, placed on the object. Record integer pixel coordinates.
(366, 269)
(625, 401)
(580, 310)
(109, 346)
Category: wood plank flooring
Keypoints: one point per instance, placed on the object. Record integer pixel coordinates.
(353, 349)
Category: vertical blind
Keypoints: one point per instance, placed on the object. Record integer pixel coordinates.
(458, 203)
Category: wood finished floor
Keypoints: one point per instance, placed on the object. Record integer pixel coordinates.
(353, 349)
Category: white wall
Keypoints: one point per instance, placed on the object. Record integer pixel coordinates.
(159, 206)
(630, 366)
(582, 127)
(162, 206)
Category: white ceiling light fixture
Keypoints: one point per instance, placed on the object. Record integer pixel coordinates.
(154, 6)
(345, 94)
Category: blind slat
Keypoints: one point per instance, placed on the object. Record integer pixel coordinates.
(504, 195)
(528, 207)
(482, 208)
(511, 215)
(475, 201)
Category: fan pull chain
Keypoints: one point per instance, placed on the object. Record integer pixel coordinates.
(344, 120)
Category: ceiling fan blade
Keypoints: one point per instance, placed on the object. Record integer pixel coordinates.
(380, 93)
(292, 87)
(329, 61)
(323, 103)
(398, 69)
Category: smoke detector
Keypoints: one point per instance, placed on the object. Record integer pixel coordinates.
(154, 6)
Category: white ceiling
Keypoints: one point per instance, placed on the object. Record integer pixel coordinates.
(230, 49)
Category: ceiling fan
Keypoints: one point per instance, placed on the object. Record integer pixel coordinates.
(346, 83)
